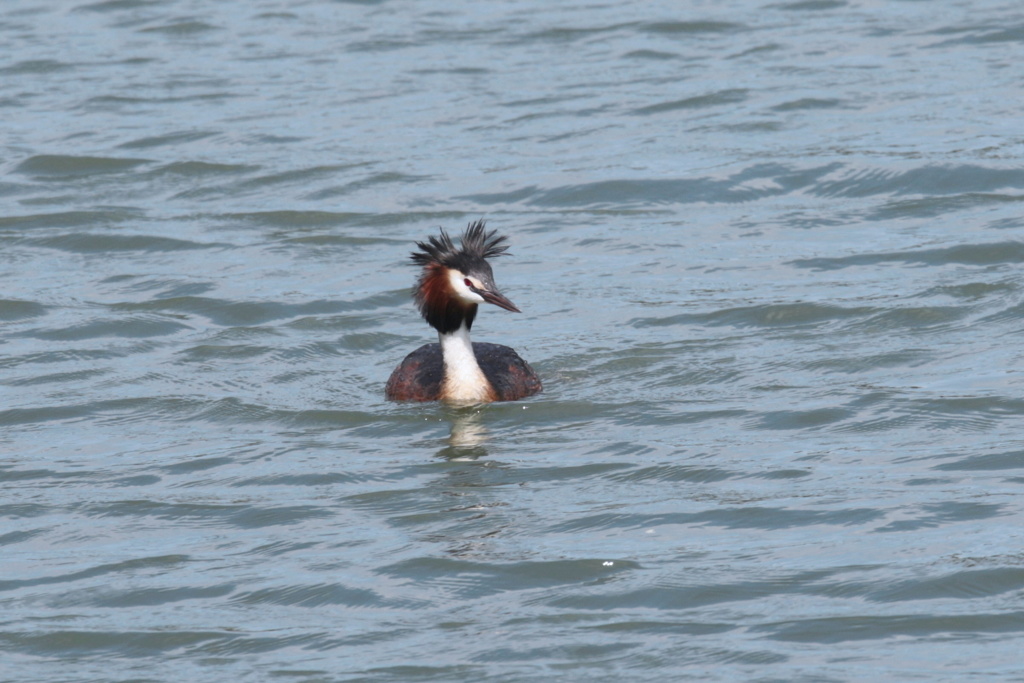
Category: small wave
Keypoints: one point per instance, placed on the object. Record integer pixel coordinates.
(954, 407)
(1010, 460)
(303, 176)
(923, 207)
(756, 182)
(754, 517)
(477, 579)
(868, 362)
(326, 594)
(13, 475)
(240, 516)
(134, 327)
(157, 562)
(811, 5)
(715, 99)
(927, 318)
(1013, 313)
(201, 169)
(926, 180)
(769, 315)
(962, 585)
(318, 479)
(992, 253)
(13, 309)
(92, 243)
(655, 627)
(934, 515)
(651, 54)
(954, 414)
(674, 28)
(64, 166)
(71, 355)
(673, 594)
(566, 34)
(78, 643)
(181, 28)
(205, 353)
(802, 419)
(68, 219)
(367, 182)
(35, 66)
(809, 103)
(973, 290)
(691, 473)
(240, 313)
(146, 597)
(293, 219)
(980, 35)
(170, 139)
(854, 628)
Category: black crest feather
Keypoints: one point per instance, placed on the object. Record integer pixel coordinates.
(476, 243)
(483, 243)
(446, 314)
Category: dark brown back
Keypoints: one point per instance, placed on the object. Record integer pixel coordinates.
(419, 376)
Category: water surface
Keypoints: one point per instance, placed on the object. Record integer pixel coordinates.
(769, 257)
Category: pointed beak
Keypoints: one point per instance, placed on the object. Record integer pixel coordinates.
(497, 299)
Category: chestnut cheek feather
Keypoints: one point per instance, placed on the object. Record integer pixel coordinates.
(438, 303)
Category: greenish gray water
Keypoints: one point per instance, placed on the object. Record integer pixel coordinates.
(769, 257)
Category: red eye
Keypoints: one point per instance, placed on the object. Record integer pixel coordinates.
(468, 283)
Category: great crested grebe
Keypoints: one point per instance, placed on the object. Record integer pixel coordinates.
(451, 284)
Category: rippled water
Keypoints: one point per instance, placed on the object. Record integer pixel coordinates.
(769, 257)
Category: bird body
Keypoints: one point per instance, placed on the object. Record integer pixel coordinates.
(420, 377)
(451, 285)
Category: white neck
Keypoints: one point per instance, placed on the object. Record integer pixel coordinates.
(464, 381)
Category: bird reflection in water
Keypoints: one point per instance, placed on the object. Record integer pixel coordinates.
(469, 435)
